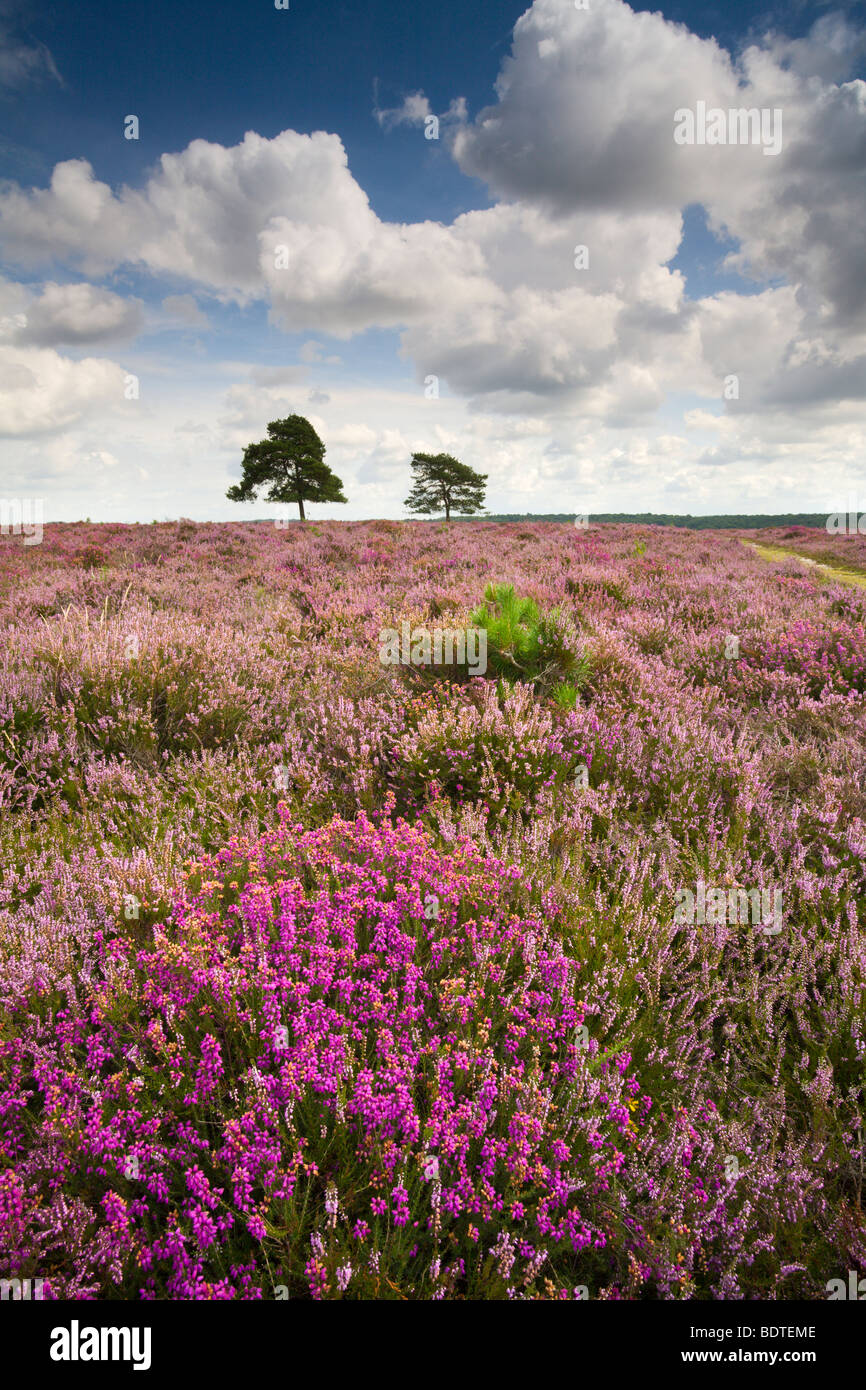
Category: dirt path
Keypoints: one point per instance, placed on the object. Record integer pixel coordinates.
(778, 552)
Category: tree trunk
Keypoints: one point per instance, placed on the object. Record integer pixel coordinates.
(301, 508)
(447, 509)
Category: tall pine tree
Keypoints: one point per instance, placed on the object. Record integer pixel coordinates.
(292, 460)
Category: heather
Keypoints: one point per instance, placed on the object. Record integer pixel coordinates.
(844, 550)
(324, 979)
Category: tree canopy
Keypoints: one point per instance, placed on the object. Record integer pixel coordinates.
(292, 460)
(442, 484)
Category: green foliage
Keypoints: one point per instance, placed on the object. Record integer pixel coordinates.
(292, 461)
(566, 695)
(525, 645)
(441, 482)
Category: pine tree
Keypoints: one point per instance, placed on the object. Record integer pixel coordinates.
(442, 483)
(292, 461)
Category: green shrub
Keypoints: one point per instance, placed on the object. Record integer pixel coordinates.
(541, 649)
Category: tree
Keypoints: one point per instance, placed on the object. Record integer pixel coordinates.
(292, 460)
(442, 482)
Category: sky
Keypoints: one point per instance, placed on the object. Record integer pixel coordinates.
(477, 228)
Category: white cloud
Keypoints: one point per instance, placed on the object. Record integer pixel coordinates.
(586, 101)
(312, 351)
(22, 62)
(416, 110)
(830, 51)
(584, 119)
(40, 391)
(77, 314)
(183, 309)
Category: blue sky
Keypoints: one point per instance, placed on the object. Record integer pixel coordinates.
(606, 387)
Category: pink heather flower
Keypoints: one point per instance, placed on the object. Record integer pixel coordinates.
(317, 1278)
(401, 1205)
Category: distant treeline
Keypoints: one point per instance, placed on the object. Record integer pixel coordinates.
(695, 523)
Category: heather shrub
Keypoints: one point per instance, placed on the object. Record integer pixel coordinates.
(594, 583)
(821, 659)
(500, 749)
(807, 660)
(307, 1077)
(340, 1063)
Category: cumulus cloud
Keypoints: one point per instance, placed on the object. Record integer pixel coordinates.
(831, 50)
(199, 216)
(579, 150)
(537, 328)
(585, 118)
(585, 110)
(41, 391)
(281, 217)
(77, 314)
(183, 310)
(580, 145)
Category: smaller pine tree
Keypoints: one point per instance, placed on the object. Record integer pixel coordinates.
(443, 484)
(525, 645)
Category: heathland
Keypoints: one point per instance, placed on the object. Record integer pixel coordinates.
(323, 978)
